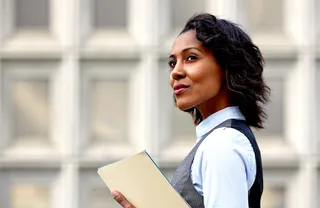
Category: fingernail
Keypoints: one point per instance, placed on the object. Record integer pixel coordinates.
(115, 194)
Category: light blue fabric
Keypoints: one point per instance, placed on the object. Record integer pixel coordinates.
(224, 167)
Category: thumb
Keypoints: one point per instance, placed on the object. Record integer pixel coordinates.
(121, 200)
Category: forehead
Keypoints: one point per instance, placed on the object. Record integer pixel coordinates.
(185, 40)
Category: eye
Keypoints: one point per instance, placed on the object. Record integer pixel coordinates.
(172, 63)
(191, 57)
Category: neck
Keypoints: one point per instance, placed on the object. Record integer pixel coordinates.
(214, 104)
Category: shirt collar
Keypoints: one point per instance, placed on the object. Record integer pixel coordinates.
(217, 118)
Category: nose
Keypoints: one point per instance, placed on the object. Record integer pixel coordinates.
(178, 72)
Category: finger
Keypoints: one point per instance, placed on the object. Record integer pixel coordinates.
(121, 200)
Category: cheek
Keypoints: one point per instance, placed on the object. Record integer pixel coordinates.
(209, 85)
(208, 89)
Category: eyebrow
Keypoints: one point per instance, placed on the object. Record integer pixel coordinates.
(186, 49)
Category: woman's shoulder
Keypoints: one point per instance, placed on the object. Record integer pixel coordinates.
(225, 136)
(227, 145)
(226, 142)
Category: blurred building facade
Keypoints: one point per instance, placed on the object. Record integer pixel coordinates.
(85, 82)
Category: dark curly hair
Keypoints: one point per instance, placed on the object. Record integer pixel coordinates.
(241, 61)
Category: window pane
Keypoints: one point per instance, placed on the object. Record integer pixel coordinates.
(260, 19)
(30, 110)
(273, 197)
(110, 14)
(30, 196)
(317, 6)
(26, 188)
(182, 10)
(109, 113)
(182, 126)
(318, 100)
(93, 192)
(32, 13)
(101, 198)
(275, 122)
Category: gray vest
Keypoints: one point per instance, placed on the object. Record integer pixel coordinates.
(182, 181)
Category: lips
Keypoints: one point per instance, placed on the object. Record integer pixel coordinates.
(180, 88)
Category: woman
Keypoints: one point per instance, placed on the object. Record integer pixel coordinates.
(216, 75)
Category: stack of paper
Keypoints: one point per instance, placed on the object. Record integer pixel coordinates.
(139, 179)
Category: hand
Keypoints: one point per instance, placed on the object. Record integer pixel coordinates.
(121, 200)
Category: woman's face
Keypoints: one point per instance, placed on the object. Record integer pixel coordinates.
(196, 77)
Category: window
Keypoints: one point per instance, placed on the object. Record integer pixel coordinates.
(182, 126)
(106, 98)
(260, 18)
(109, 112)
(93, 192)
(273, 197)
(27, 188)
(28, 89)
(182, 10)
(32, 14)
(30, 113)
(110, 14)
(30, 196)
(274, 125)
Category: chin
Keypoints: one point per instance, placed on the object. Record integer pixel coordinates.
(183, 105)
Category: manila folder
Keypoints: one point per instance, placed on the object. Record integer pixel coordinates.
(140, 180)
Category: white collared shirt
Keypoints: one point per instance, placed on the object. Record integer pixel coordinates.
(224, 166)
